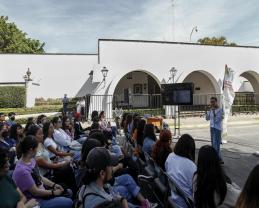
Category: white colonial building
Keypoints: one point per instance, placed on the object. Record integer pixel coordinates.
(136, 70)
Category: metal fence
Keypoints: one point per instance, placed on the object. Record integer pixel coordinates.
(154, 101)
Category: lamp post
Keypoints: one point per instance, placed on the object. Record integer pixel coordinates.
(193, 29)
(104, 72)
(173, 72)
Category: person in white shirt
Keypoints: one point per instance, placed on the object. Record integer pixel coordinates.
(60, 136)
(51, 145)
(62, 139)
(215, 116)
(180, 167)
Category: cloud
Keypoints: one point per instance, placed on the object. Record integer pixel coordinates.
(75, 26)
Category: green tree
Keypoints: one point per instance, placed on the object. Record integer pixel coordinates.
(216, 41)
(14, 40)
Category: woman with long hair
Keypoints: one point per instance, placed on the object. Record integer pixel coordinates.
(67, 127)
(28, 179)
(11, 196)
(180, 166)
(135, 129)
(162, 148)
(149, 138)
(60, 172)
(127, 125)
(30, 121)
(16, 134)
(210, 186)
(249, 197)
(51, 145)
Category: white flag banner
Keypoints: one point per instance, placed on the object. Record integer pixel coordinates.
(228, 96)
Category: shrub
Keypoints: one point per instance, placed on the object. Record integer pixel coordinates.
(12, 96)
(37, 109)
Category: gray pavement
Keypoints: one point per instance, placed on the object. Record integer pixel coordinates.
(242, 142)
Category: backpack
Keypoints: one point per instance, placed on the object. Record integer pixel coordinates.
(81, 195)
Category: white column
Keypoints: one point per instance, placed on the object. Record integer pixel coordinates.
(30, 97)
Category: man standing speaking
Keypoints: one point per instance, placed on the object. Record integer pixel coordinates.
(215, 116)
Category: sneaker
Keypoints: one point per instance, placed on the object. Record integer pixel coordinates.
(147, 204)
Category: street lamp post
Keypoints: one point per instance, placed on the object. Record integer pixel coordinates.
(173, 72)
(193, 29)
(104, 72)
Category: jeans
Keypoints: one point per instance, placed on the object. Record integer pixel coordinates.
(126, 187)
(216, 140)
(57, 202)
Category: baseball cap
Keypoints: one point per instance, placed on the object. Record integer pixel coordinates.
(99, 158)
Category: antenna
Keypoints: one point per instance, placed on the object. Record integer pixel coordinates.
(173, 19)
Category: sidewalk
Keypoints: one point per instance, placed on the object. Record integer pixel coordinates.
(200, 122)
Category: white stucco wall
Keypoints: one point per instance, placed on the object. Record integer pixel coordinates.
(58, 74)
(121, 57)
(66, 73)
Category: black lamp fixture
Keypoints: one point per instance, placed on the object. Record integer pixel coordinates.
(104, 72)
(173, 72)
(27, 76)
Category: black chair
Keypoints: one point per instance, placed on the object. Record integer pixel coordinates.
(177, 190)
(147, 186)
(150, 169)
(161, 186)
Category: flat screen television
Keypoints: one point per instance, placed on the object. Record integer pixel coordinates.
(177, 94)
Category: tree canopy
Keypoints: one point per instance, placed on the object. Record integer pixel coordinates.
(14, 40)
(216, 41)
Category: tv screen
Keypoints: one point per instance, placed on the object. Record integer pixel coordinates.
(177, 94)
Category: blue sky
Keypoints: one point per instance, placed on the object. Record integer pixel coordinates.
(74, 26)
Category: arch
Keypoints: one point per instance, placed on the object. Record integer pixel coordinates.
(253, 78)
(137, 89)
(205, 86)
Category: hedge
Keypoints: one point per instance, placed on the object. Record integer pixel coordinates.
(37, 109)
(12, 96)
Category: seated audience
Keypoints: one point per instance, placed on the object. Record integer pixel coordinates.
(128, 126)
(60, 172)
(30, 121)
(80, 132)
(32, 184)
(10, 194)
(16, 134)
(99, 165)
(249, 197)
(67, 127)
(210, 185)
(104, 125)
(4, 144)
(135, 129)
(162, 148)
(94, 116)
(180, 166)
(88, 145)
(149, 138)
(41, 120)
(60, 136)
(50, 144)
(2, 118)
(11, 120)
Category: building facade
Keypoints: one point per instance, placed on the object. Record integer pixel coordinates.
(136, 70)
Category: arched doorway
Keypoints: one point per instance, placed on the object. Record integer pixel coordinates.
(205, 86)
(137, 89)
(248, 93)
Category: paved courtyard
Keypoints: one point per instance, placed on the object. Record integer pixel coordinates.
(242, 142)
